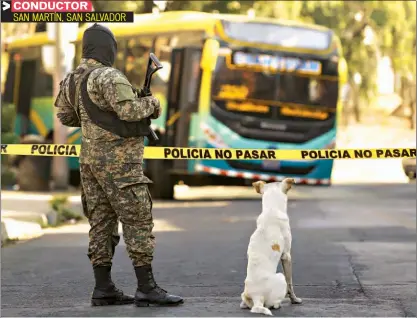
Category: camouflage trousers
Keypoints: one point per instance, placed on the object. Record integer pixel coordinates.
(113, 193)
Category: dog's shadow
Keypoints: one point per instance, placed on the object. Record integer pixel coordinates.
(286, 303)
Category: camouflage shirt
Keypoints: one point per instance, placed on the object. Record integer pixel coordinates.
(110, 90)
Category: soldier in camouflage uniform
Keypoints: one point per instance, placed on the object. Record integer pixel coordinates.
(114, 186)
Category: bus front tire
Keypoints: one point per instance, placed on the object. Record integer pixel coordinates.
(163, 184)
(74, 178)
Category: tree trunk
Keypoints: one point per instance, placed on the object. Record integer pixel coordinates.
(97, 5)
(147, 6)
(356, 102)
(407, 109)
(177, 5)
(411, 88)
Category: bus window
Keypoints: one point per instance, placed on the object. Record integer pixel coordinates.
(186, 39)
(120, 62)
(8, 91)
(41, 27)
(195, 76)
(137, 56)
(160, 80)
(4, 70)
(163, 50)
(23, 99)
(44, 84)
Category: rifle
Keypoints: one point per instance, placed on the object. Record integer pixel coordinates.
(153, 66)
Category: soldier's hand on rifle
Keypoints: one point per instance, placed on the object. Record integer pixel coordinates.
(152, 101)
(157, 107)
(139, 92)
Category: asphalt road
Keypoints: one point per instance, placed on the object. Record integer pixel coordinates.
(354, 254)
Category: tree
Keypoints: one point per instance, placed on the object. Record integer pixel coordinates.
(401, 47)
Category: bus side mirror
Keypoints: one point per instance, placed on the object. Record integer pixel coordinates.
(210, 54)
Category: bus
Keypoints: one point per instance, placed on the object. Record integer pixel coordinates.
(27, 84)
(228, 81)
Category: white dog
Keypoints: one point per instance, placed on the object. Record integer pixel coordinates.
(270, 244)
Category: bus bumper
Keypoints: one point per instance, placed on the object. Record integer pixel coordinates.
(314, 172)
(319, 175)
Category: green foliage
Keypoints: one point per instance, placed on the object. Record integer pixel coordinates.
(9, 138)
(181, 5)
(60, 205)
(9, 242)
(8, 115)
(58, 201)
(8, 176)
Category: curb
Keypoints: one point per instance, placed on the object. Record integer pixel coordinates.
(44, 219)
(34, 196)
(19, 230)
(15, 206)
(40, 218)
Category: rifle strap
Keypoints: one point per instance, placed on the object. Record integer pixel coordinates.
(75, 91)
(107, 120)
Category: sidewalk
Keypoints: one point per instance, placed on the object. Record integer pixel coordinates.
(12, 230)
(372, 170)
(24, 215)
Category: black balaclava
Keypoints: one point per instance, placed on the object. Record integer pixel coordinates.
(99, 44)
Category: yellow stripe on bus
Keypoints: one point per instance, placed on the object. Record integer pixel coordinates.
(74, 137)
(38, 122)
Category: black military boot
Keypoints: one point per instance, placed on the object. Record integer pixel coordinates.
(149, 292)
(105, 292)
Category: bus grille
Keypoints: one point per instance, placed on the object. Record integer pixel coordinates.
(281, 170)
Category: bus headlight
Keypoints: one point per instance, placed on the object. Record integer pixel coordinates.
(313, 90)
(331, 145)
(212, 137)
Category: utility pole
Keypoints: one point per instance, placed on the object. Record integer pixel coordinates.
(59, 164)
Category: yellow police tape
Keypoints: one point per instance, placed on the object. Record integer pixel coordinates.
(220, 153)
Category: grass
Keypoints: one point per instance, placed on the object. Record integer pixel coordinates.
(65, 215)
(8, 242)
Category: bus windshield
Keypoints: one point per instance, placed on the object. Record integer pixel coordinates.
(283, 89)
(280, 35)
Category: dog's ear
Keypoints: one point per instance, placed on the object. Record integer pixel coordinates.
(287, 184)
(259, 186)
